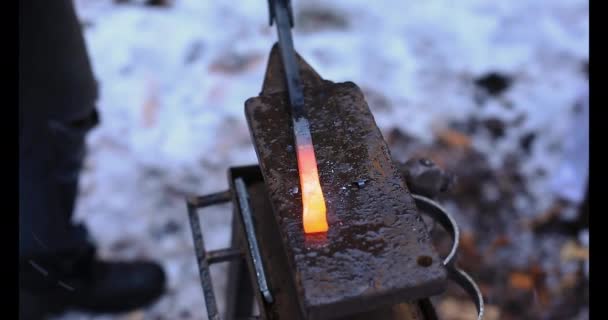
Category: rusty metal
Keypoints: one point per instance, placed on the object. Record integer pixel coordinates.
(206, 258)
(201, 253)
(368, 264)
(369, 255)
(280, 280)
(377, 260)
(285, 303)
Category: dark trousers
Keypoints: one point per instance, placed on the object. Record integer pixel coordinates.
(57, 95)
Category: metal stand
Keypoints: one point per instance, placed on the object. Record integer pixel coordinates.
(240, 293)
(247, 276)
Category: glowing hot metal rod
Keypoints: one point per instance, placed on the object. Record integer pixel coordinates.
(314, 211)
(314, 216)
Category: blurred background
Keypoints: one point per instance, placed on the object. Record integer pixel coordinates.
(495, 92)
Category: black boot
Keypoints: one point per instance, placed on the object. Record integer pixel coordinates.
(84, 283)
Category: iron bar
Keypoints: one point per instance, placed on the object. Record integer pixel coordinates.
(243, 199)
(223, 255)
(210, 199)
(203, 265)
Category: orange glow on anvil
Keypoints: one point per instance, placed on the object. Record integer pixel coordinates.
(314, 214)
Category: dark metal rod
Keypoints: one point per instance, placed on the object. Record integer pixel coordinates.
(288, 56)
(252, 242)
(203, 265)
(210, 199)
(222, 255)
(284, 22)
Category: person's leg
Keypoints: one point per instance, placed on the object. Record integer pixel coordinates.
(50, 157)
(57, 94)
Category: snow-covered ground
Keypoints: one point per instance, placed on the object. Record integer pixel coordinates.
(173, 81)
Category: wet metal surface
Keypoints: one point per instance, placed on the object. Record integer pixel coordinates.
(369, 257)
(285, 304)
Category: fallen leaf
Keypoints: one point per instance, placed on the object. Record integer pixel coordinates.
(468, 245)
(569, 281)
(486, 290)
(544, 297)
(546, 217)
(501, 241)
(572, 251)
(454, 138)
(521, 280)
(537, 272)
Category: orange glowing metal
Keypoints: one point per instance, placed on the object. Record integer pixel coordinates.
(314, 216)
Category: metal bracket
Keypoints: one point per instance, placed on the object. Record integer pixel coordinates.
(205, 258)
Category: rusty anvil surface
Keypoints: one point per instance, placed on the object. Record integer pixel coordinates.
(376, 240)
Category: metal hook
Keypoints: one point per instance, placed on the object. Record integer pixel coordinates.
(438, 213)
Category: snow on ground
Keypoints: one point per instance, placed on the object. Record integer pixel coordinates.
(173, 81)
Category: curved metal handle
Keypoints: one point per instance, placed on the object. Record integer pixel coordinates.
(438, 213)
(466, 282)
